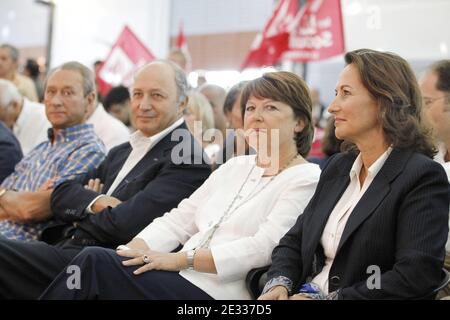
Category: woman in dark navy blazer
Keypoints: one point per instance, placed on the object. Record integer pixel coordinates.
(376, 226)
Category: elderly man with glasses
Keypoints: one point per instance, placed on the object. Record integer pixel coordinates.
(435, 87)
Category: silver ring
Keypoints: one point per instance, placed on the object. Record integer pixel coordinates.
(146, 259)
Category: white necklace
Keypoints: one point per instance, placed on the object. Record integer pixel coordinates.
(227, 213)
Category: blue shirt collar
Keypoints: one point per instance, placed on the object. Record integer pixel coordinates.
(71, 133)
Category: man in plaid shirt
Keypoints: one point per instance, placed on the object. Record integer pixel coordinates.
(71, 151)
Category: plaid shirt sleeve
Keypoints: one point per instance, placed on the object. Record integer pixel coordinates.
(79, 162)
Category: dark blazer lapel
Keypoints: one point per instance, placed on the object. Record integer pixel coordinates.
(115, 166)
(329, 195)
(158, 152)
(375, 194)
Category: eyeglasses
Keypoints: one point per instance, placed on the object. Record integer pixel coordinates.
(429, 101)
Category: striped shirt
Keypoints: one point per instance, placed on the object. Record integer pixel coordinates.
(74, 152)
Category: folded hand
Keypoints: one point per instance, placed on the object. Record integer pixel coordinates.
(156, 260)
(94, 185)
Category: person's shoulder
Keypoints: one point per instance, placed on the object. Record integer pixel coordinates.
(7, 138)
(236, 165)
(117, 127)
(417, 158)
(35, 115)
(339, 163)
(35, 108)
(4, 131)
(309, 169)
(240, 161)
(126, 146)
(300, 174)
(420, 163)
(24, 80)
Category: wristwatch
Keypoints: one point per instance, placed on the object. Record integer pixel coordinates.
(190, 259)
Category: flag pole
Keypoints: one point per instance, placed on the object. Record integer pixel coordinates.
(301, 3)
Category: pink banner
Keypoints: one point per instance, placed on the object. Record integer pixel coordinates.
(126, 56)
(317, 33)
(269, 45)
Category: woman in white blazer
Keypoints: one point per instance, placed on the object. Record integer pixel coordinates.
(230, 225)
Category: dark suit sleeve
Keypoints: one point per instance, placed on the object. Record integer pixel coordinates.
(287, 256)
(70, 199)
(422, 228)
(172, 184)
(10, 155)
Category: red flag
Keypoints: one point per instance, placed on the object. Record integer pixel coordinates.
(126, 56)
(269, 45)
(317, 33)
(181, 41)
(183, 47)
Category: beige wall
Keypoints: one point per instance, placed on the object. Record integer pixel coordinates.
(218, 51)
(31, 52)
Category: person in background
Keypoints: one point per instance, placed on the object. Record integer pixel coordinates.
(232, 106)
(320, 116)
(180, 58)
(102, 86)
(31, 70)
(117, 103)
(216, 97)
(235, 143)
(320, 113)
(199, 119)
(10, 153)
(201, 78)
(377, 225)
(26, 119)
(9, 63)
(108, 128)
(330, 144)
(435, 86)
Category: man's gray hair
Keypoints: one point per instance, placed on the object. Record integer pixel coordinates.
(180, 81)
(8, 93)
(86, 74)
(13, 51)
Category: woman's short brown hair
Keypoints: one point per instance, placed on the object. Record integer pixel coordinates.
(290, 89)
(392, 83)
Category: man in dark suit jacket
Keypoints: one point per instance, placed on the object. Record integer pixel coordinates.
(138, 182)
(10, 152)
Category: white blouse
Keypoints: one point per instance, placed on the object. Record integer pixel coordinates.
(266, 209)
(338, 218)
